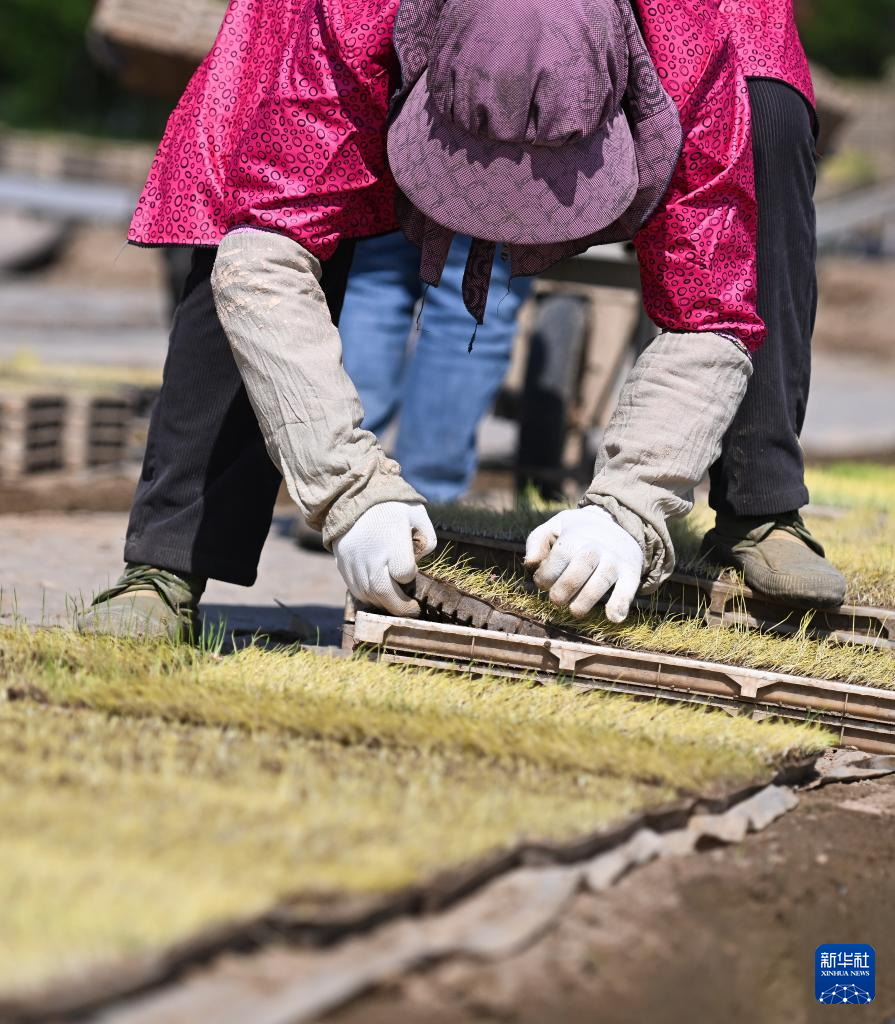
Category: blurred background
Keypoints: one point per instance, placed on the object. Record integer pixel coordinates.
(85, 89)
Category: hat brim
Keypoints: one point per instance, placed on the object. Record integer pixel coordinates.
(506, 192)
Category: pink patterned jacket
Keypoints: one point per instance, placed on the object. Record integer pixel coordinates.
(283, 127)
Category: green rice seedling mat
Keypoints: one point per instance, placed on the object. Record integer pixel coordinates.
(799, 654)
(860, 539)
(158, 803)
(852, 513)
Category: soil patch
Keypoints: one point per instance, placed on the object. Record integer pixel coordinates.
(856, 307)
(726, 936)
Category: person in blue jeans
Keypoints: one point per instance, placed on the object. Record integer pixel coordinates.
(438, 390)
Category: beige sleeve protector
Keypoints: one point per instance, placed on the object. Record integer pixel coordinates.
(674, 409)
(273, 310)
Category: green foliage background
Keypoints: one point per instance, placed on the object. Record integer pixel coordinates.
(854, 38)
(48, 79)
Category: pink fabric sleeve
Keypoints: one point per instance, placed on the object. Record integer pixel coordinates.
(697, 252)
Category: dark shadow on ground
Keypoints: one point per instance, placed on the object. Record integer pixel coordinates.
(310, 624)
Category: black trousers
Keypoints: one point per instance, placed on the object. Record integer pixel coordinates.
(205, 499)
(761, 470)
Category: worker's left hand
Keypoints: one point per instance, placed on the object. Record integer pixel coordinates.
(580, 555)
(379, 554)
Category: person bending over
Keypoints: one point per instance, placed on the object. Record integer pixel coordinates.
(276, 155)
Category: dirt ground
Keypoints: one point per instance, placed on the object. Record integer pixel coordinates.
(856, 308)
(727, 936)
(48, 559)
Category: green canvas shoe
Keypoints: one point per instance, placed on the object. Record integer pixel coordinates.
(146, 602)
(777, 556)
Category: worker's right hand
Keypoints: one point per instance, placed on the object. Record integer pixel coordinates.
(580, 555)
(379, 554)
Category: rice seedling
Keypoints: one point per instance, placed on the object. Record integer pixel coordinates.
(854, 520)
(861, 539)
(798, 654)
(853, 515)
(356, 701)
(481, 521)
(852, 485)
(26, 371)
(149, 791)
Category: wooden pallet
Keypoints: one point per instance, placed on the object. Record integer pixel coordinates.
(168, 26)
(153, 47)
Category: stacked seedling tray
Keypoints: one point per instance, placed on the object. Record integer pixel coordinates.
(46, 432)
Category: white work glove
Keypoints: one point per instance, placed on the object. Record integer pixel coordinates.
(582, 554)
(379, 554)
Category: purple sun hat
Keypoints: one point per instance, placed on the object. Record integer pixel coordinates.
(515, 130)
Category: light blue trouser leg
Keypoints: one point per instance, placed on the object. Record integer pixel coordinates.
(440, 390)
(448, 389)
(376, 320)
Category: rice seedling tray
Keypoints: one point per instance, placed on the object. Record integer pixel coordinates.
(716, 602)
(478, 638)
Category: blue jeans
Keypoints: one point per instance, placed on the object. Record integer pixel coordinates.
(438, 389)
